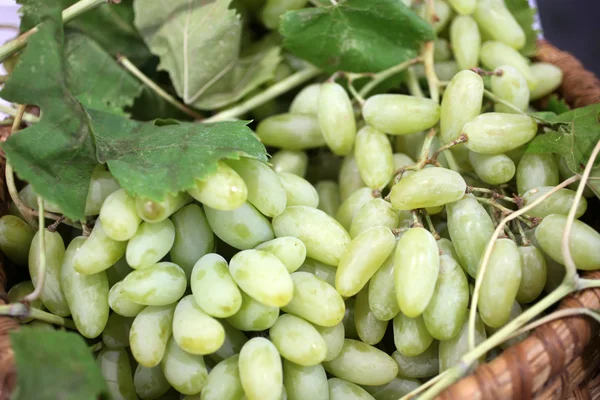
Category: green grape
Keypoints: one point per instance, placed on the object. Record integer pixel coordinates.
(428, 187)
(294, 162)
(185, 372)
(514, 313)
(116, 332)
(222, 190)
(549, 78)
(116, 371)
(424, 365)
(329, 197)
(584, 241)
(362, 364)
(195, 331)
(291, 132)
(512, 87)
(373, 155)
(348, 321)
(460, 104)
(495, 133)
(500, 283)
(446, 247)
(290, 251)
(396, 389)
(370, 330)
(52, 295)
(470, 228)
(274, 9)
(261, 371)
(149, 334)
(517, 154)
(351, 205)
(120, 304)
(234, 340)
(382, 292)
(102, 184)
(265, 190)
(157, 211)
(340, 389)
(441, 50)
(298, 191)
(19, 291)
(193, 237)
(442, 11)
(15, 239)
(533, 276)
(213, 287)
(444, 70)
(325, 239)
(466, 41)
(451, 351)
(307, 100)
(365, 254)
(463, 7)
(336, 118)
(150, 244)
(558, 203)
(223, 382)
(555, 274)
(118, 272)
(322, 271)
(262, 276)
(98, 252)
(493, 169)
(416, 269)
(400, 160)
(410, 145)
(150, 383)
(334, 339)
(497, 22)
(253, 316)
(565, 173)
(376, 212)
(119, 216)
(158, 285)
(411, 337)
(242, 228)
(315, 300)
(497, 54)
(536, 170)
(447, 308)
(399, 114)
(349, 177)
(86, 295)
(303, 383)
(298, 341)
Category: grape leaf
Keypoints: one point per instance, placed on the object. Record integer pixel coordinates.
(57, 154)
(525, 16)
(249, 73)
(55, 365)
(197, 41)
(151, 159)
(557, 105)
(95, 78)
(356, 35)
(575, 135)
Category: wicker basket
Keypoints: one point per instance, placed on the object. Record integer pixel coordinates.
(560, 360)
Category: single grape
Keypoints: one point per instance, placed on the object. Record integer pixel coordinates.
(534, 273)
(336, 118)
(394, 390)
(424, 365)
(382, 292)
(373, 154)
(549, 78)
(15, 239)
(512, 87)
(370, 330)
(305, 382)
(411, 337)
(514, 313)
(119, 216)
(294, 162)
(495, 54)
(184, 371)
(340, 389)
(497, 22)
(222, 190)
(223, 381)
(150, 383)
(150, 244)
(536, 170)
(116, 332)
(213, 287)
(253, 316)
(466, 41)
(428, 187)
(157, 211)
(121, 304)
(399, 114)
(291, 132)
(298, 341)
(158, 285)
(496, 133)
(149, 334)
(334, 339)
(558, 203)
(492, 169)
(298, 191)
(261, 371)
(307, 100)
(195, 331)
(463, 7)
(376, 212)
(290, 251)
(274, 9)
(329, 197)
(116, 370)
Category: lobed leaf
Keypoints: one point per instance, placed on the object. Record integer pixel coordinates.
(525, 16)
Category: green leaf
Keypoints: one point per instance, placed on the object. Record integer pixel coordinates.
(557, 105)
(95, 78)
(525, 16)
(151, 160)
(197, 41)
(356, 35)
(55, 365)
(575, 135)
(57, 154)
(249, 73)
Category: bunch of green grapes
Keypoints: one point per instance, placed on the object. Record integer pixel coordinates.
(261, 282)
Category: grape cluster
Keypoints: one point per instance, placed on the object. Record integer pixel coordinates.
(269, 282)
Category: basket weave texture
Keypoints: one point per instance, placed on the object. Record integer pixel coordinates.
(560, 360)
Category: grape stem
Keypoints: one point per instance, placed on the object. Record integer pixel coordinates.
(41, 275)
(355, 94)
(461, 139)
(483, 72)
(387, 73)
(424, 156)
(13, 113)
(22, 310)
(583, 283)
(416, 219)
(133, 70)
(567, 312)
(428, 50)
(495, 195)
(270, 93)
(430, 224)
(96, 347)
(423, 386)
(413, 83)
(529, 221)
(524, 240)
(11, 47)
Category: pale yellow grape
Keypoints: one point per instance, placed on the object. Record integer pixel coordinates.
(466, 41)
(116, 332)
(298, 191)
(336, 118)
(223, 381)
(424, 365)
(370, 330)
(15, 238)
(376, 212)
(549, 78)
(334, 339)
(494, 169)
(156, 211)
(150, 383)
(497, 22)
(185, 372)
(329, 196)
(460, 104)
(119, 216)
(298, 341)
(373, 154)
(399, 114)
(558, 203)
(463, 7)
(195, 331)
(121, 304)
(496, 133)
(307, 100)
(536, 170)
(150, 333)
(291, 131)
(512, 87)
(262, 276)
(223, 190)
(290, 251)
(349, 177)
(158, 285)
(429, 187)
(351, 205)
(150, 244)
(495, 54)
(260, 369)
(305, 382)
(533, 275)
(253, 316)
(411, 337)
(340, 389)
(382, 291)
(98, 252)
(213, 288)
(294, 162)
